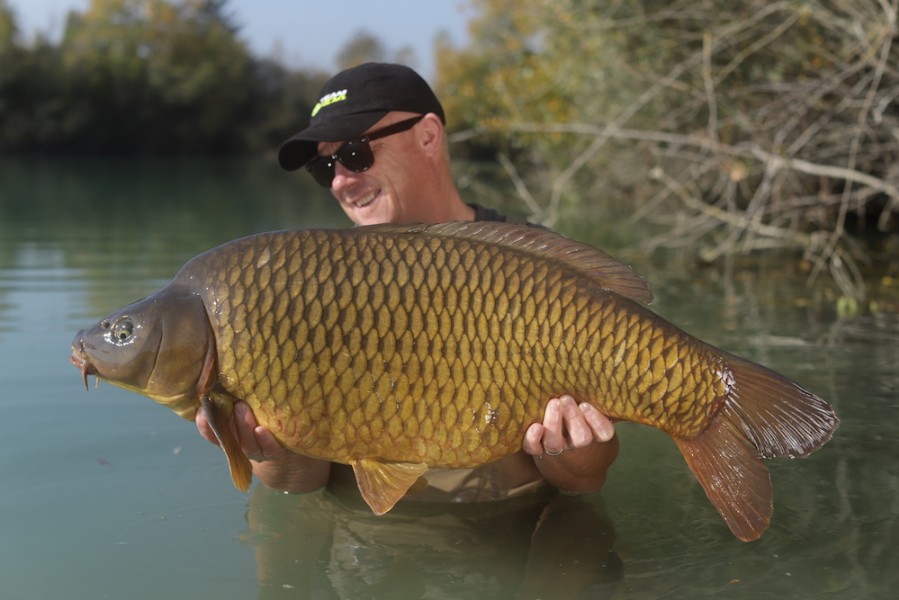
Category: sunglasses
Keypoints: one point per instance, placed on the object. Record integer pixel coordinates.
(355, 155)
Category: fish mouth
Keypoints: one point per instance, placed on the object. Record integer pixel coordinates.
(82, 362)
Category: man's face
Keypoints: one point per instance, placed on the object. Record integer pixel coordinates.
(385, 192)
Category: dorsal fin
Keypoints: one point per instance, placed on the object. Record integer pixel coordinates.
(609, 273)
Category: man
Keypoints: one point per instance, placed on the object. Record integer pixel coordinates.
(376, 139)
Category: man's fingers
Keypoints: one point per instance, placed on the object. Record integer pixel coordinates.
(553, 437)
(600, 424)
(579, 433)
(244, 417)
(245, 423)
(533, 440)
(204, 428)
(271, 447)
(566, 425)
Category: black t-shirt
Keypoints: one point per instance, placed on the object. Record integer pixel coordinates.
(488, 214)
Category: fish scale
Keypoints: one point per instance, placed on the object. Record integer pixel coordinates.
(398, 348)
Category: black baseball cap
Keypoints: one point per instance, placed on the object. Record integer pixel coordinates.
(354, 100)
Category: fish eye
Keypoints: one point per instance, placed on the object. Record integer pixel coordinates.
(122, 330)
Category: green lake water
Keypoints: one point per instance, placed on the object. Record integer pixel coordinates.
(105, 494)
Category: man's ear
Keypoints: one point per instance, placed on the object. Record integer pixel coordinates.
(430, 134)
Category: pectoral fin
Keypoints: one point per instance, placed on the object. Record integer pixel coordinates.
(238, 463)
(383, 483)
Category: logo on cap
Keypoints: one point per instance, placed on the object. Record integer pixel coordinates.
(329, 99)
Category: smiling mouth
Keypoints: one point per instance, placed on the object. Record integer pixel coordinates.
(366, 200)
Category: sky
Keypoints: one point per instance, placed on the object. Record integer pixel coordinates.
(309, 32)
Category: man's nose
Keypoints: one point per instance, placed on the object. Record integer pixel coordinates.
(341, 176)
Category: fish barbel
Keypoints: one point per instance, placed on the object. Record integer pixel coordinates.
(397, 348)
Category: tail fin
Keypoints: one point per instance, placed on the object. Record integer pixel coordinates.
(764, 415)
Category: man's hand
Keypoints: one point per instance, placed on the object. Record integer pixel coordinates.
(574, 445)
(274, 465)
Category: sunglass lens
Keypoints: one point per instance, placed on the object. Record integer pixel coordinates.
(356, 155)
(322, 170)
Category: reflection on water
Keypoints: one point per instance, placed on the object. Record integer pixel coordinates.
(106, 494)
(334, 548)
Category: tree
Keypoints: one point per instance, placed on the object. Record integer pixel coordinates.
(365, 47)
(9, 29)
(135, 77)
(172, 76)
(528, 70)
(30, 87)
(764, 124)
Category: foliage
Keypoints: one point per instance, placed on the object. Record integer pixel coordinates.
(529, 69)
(749, 124)
(170, 75)
(156, 77)
(26, 77)
(366, 47)
(363, 47)
(8, 28)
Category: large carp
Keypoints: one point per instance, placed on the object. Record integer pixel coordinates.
(397, 348)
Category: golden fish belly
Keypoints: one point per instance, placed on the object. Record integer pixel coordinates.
(413, 349)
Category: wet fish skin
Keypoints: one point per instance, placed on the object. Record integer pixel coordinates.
(395, 348)
(399, 356)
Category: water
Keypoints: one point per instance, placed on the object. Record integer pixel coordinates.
(105, 494)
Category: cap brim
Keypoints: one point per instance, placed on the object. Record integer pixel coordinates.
(299, 149)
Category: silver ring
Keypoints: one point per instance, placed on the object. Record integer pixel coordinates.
(548, 453)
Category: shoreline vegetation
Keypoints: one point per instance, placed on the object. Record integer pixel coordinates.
(725, 129)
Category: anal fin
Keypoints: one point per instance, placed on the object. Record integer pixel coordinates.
(382, 484)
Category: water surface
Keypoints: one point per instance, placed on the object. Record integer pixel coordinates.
(108, 495)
